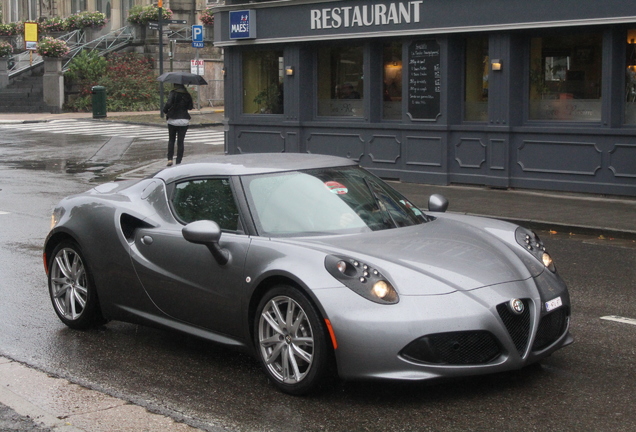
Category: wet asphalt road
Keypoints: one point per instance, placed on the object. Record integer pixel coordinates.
(588, 386)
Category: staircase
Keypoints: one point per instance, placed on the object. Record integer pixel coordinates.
(24, 94)
(25, 90)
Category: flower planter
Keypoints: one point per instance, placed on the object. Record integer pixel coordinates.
(55, 34)
(93, 33)
(53, 82)
(4, 72)
(52, 65)
(208, 32)
(139, 31)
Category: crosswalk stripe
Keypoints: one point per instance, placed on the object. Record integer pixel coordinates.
(78, 127)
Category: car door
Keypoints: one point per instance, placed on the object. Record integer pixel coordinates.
(183, 279)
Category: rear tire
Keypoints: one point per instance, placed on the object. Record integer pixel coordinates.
(291, 340)
(72, 289)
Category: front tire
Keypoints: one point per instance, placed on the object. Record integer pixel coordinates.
(72, 289)
(291, 341)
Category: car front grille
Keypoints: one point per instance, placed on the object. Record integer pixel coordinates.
(551, 327)
(518, 326)
(454, 348)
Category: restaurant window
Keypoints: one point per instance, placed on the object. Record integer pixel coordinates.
(340, 81)
(630, 79)
(392, 79)
(476, 79)
(263, 73)
(565, 77)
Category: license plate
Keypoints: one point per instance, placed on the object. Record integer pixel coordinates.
(553, 304)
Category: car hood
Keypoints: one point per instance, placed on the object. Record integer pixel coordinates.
(437, 257)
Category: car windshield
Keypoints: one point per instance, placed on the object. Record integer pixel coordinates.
(326, 201)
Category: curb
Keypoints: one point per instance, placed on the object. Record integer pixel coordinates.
(563, 228)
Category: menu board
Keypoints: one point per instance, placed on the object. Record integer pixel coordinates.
(424, 80)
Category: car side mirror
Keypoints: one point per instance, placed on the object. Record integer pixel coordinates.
(437, 203)
(207, 233)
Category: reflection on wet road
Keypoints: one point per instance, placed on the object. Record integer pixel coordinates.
(79, 127)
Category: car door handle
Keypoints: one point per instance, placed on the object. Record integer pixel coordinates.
(147, 240)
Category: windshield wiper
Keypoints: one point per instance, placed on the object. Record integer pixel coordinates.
(380, 203)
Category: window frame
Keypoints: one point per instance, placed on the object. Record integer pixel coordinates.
(364, 47)
(171, 192)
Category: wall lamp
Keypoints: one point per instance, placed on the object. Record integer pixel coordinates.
(289, 70)
(496, 64)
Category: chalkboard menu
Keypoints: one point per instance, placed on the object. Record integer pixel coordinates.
(424, 80)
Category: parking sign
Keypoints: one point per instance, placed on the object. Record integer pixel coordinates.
(197, 36)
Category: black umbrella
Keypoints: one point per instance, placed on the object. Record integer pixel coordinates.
(182, 78)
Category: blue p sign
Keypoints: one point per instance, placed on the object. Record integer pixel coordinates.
(197, 36)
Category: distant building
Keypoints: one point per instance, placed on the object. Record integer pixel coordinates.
(524, 94)
(116, 10)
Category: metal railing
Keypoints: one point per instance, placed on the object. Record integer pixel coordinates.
(110, 42)
(29, 59)
(76, 41)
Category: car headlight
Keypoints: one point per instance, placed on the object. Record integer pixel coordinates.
(55, 217)
(362, 279)
(531, 242)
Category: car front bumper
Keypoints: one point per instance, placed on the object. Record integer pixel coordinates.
(446, 335)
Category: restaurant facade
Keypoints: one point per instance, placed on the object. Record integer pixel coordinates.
(532, 94)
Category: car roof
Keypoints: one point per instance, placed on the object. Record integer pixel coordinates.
(252, 163)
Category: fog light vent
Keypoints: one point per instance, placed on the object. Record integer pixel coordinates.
(454, 348)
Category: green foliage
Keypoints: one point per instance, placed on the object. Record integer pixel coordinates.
(129, 78)
(144, 14)
(86, 69)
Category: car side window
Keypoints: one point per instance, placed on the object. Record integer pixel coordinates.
(206, 199)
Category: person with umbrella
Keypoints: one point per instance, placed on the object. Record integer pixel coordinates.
(176, 110)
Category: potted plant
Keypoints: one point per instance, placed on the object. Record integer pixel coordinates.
(53, 25)
(84, 20)
(139, 16)
(207, 17)
(11, 33)
(5, 49)
(10, 29)
(52, 48)
(144, 14)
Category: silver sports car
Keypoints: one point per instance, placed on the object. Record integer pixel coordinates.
(313, 264)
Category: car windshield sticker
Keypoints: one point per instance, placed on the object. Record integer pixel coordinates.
(411, 207)
(337, 188)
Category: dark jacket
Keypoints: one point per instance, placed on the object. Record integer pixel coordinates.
(179, 102)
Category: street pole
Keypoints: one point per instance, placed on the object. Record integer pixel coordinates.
(160, 20)
(198, 86)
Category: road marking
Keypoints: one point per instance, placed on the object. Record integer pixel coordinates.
(77, 127)
(3, 212)
(620, 319)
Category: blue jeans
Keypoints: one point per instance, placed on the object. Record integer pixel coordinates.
(176, 133)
